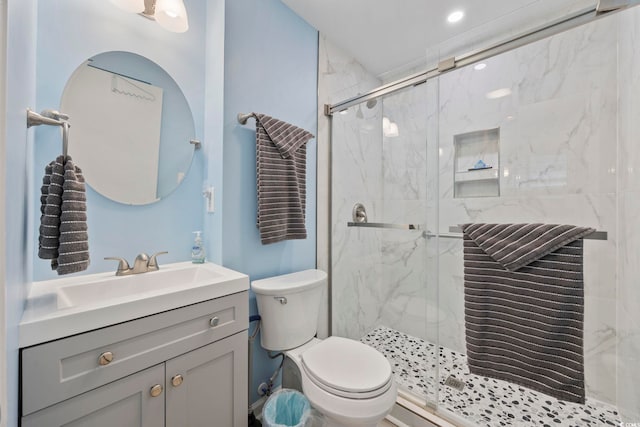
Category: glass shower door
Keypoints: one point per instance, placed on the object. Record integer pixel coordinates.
(383, 288)
(535, 135)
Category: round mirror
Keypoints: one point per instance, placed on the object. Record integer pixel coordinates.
(132, 132)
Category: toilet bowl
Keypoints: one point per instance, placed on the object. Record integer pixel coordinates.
(349, 385)
(347, 381)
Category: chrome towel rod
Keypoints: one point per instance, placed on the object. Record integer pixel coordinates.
(242, 118)
(51, 118)
(384, 225)
(596, 235)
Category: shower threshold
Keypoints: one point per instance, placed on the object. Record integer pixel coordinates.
(482, 401)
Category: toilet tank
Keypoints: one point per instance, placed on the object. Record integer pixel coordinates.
(289, 306)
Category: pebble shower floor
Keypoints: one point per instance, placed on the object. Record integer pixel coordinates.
(484, 401)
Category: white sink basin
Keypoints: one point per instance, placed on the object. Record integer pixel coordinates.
(107, 288)
(63, 307)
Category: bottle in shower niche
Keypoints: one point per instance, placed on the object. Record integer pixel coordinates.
(197, 250)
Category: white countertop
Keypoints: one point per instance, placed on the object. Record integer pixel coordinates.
(48, 316)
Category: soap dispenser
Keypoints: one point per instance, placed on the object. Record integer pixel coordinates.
(197, 251)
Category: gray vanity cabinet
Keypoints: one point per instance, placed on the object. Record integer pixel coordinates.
(181, 368)
(125, 403)
(202, 385)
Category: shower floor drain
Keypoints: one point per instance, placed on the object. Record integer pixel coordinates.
(454, 383)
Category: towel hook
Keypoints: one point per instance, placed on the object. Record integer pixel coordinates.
(242, 118)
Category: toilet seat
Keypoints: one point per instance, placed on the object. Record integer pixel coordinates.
(347, 368)
(342, 410)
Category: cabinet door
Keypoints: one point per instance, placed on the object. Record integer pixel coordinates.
(212, 389)
(123, 403)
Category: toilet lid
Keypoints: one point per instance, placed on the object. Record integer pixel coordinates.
(348, 366)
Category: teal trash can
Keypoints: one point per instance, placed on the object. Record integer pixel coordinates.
(286, 408)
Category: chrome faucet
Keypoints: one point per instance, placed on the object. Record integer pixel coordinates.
(142, 264)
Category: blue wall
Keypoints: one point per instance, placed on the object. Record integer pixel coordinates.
(21, 16)
(270, 67)
(89, 28)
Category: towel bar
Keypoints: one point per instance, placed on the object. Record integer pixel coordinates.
(51, 118)
(596, 235)
(384, 225)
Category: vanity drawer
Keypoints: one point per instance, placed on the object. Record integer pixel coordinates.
(58, 370)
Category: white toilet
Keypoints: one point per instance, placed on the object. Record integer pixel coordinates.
(349, 382)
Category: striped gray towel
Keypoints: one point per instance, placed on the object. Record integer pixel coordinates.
(281, 179)
(51, 203)
(73, 253)
(524, 305)
(63, 228)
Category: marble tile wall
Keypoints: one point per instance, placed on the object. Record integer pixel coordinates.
(357, 177)
(403, 189)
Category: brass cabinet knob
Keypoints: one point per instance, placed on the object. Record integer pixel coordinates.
(105, 358)
(214, 321)
(156, 390)
(177, 380)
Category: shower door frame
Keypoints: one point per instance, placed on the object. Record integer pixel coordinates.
(455, 62)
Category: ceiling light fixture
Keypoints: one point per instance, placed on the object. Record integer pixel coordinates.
(169, 14)
(455, 16)
(480, 66)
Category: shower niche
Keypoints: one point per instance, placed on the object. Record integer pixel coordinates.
(476, 164)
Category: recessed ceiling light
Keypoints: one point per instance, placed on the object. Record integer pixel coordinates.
(480, 66)
(455, 16)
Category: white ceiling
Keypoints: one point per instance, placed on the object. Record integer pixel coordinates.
(387, 36)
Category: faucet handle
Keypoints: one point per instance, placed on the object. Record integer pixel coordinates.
(123, 265)
(153, 262)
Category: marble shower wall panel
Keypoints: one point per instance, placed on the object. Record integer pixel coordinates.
(405, 156)
(404, 276)
(572, 152)
(555, 102)
(628, 310)
(342, 76)
(356, 278)
(355, 141)
(358, 291)
(411, 306)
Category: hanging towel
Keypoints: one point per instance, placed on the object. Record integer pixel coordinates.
(524, 305)
(281, 179)
(51, 203)
(73, 253)
(63, 228)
